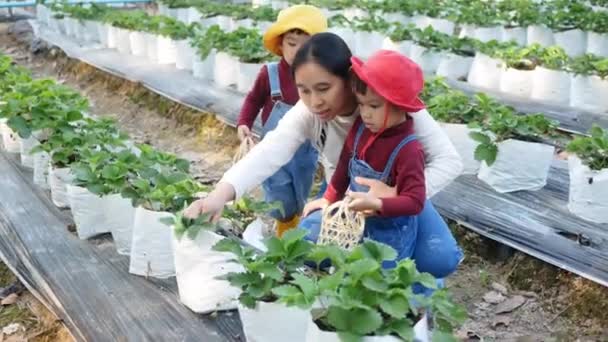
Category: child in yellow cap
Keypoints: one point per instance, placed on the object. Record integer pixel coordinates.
(274, 93)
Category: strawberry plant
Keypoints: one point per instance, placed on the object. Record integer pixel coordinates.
(454, 107)
(519, 13)
(266, 271)
(103, 172)
(244, 211)
(521, 58)
(597, 22)
(371, 24)
(245, 44)
(592, 150)
(207, 40)
(191, 227)
(562, 15)
(554, 57)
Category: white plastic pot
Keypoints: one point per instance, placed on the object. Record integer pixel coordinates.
(167, 50)
(403, 47)
(347, 34)
(541, 35)
(119, 218)
(163, 9)
(441, 25)
(589, 93)
(151, 47)
(123, 42)
(427, 60)
(516, 34)
(25, 149)
(204, 69)
(485, 72)
(551, 86)
(588, 191)
(80, 30)
(268, 322)
(226, 69)
(464, 144)
(103, 33)
(70, 26)
(517, 82)
(467, 31)
(314, 334)
(151, 250)
(597, 44)
(225, 23)
(183, 14)
(396, 17)
(197, 267)
(574, 42)
(42, 162)
(486, 34)
(10, 140)
(185, 55)
(248, 73)
(194, 16)
(112, 37)
(91, 31)
(454, 66)
(137, 42)
(58, 182)
(88, 213)
(367, 43)
(519, 165)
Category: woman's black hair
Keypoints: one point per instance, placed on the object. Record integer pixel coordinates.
(329, 51)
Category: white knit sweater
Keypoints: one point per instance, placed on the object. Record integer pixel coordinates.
(443, 164)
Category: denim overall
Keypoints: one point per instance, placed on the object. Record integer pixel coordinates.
(291, 184)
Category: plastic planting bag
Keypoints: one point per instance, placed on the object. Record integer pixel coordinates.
(588, 191)
(88, 213)
(151, 250)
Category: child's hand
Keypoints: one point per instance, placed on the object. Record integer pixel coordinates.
(317, 204)
(364, 202)
(244, 132)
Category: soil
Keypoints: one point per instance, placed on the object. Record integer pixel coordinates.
(540, 302)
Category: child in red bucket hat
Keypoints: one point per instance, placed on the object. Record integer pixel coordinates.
(381, 145)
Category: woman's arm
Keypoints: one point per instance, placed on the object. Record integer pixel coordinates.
(275, 150)
(443, 163)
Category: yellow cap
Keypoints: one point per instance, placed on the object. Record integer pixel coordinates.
(303, 17)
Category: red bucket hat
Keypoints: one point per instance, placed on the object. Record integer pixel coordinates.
(394, 77)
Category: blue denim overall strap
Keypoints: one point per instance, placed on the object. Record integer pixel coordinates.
(291, 184)
(397, 232)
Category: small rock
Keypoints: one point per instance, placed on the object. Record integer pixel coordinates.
(500, 288)
(10, 299)
(12, 328)
(510, 304)
(493, 297)
(501, 320)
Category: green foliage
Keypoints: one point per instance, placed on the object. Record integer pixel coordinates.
(103, 172)
(592, 150)
(191, 227)
(246, 45)
(244, 211)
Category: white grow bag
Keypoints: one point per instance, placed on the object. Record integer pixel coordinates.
(589, 93)
(151, 47)
(58, 182)
(486, 34)
(485, 72)
(367, 43)
(454, 66)
(91, 31)
(467, 31)
(516, 34)
(516, 82)
(70, 27)
(314, 334)
(167, 50)
(464, 144)
(427, 60)
(42, 162)
(541, 35)
(196, 269)
(574, 42)
(183, 15)
(519, 165)
(112, 37)
(403, 47)
(588, 191)
(119, 215)
(225, 23)
(25, 148)
(597, 44)
(551, 86)
(138, 43)
(225, 70)
(347, 34)
(396, 17)
(248, 73)
(10, 140)
(204, 69)
(185, 55)
(151, 250)
(103, 33)
(441, 25)
(269, 322)
(123, 42)
(194, 16)
(88, 213)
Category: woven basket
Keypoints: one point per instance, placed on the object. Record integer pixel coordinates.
(246, 146)
(341, 226)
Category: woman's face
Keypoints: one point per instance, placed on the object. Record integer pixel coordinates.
(325, 94)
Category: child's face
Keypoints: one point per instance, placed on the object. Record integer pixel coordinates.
(291, 43)
(372, 109)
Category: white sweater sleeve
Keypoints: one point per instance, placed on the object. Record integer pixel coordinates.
(275, 150)
(443, 163)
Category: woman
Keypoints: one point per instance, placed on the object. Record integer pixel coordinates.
(325, 113)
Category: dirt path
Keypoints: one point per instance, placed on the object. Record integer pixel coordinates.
(520, 299)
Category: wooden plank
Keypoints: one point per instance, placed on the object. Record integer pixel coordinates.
(86, 283)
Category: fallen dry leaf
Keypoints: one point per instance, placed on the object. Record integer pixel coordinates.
(510, 304)
(10, 299)
(493, 297)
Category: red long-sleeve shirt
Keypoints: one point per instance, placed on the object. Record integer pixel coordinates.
(407, 173)
(259, 96)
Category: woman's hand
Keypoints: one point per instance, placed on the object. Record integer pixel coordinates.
(213, 204)
(317, 204)
(364, 202)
